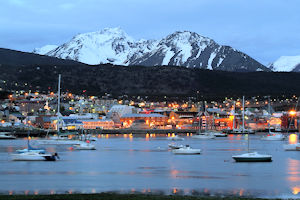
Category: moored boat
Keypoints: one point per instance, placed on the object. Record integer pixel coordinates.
(175, 146)
(273, 137)
(85, 146)
(291, 147)
(34, 156)
(6, 136)
(252, 157)
(186, 150)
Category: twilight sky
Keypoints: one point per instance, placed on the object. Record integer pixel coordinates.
(263, 29)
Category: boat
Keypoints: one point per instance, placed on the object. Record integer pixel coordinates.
(60, 139)
(219, 134)
(291, 147)
(240, 130)
(204, 136)
(30, 148)
(251, 156)
(7, 136)
(34, 156)
(85, 146)
(271, 136)
(186, 150)
(175, 146)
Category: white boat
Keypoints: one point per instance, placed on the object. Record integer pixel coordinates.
(291, 147)
(58, 142)
(6, 136)
(252, 157)
(175, 146)
(34, 156)
(60, 139)
(241, 131)
(176, 137)
(85, 146)
(219, 134)
(273, 137)
(186, 150)
(204, 136)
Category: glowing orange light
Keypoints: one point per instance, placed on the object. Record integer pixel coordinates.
(296, 190)
(292, 112)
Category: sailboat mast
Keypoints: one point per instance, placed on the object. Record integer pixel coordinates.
(58, 94)
(243, 113)
(199, 129)
(58, 103)
(269, 110)
(233, 124)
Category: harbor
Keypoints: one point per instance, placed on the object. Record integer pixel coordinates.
(140, 164)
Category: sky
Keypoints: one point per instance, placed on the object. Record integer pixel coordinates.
(263, 29)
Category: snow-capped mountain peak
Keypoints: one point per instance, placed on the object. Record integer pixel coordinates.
(286, 64)
(181, 48)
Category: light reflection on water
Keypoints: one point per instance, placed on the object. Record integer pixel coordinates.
(144, 164)
(293, 138)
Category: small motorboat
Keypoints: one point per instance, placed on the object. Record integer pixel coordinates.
(219, 134)
(273, 137)
(6, 136)
(292, 147)
(186, 150)
(85, 146)
(204, 136)
(175, 146)
(34, 156)
(176, 137)
(252, 157)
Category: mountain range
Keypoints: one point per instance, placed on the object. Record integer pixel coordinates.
(181, 48)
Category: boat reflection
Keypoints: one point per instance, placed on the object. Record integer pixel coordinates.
(293, 170)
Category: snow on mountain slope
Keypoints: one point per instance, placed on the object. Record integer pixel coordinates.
(285, 63)
(182, 48)
(45, 49)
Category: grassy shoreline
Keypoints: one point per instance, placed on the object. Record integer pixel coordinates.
(112, 196)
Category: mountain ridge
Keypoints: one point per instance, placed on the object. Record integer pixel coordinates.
(181, 48)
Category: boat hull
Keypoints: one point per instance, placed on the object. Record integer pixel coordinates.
(59, 142)
(33, 157)
(240, 159)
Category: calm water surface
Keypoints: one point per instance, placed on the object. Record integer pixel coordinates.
(140, 164)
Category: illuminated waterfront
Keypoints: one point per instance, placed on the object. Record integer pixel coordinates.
(144, 164)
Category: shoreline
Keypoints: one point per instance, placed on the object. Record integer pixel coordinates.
(111, 196)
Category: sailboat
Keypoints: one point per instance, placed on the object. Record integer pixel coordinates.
(203, 135)
(251, 156)
(60, 139)
(33, 154)
(30, 148)
(272, 136)
(240, 130)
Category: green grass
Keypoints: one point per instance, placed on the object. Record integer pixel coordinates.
(113, 196)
